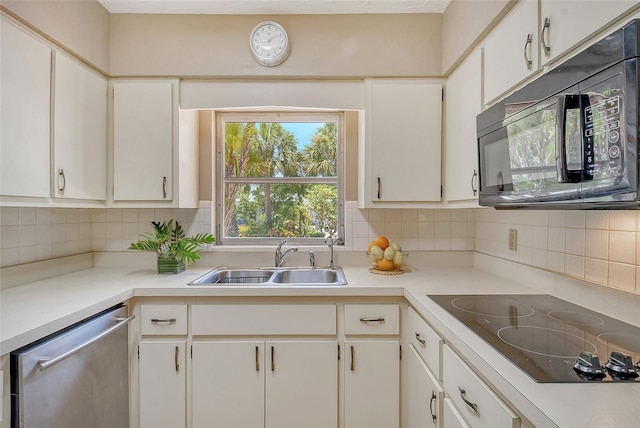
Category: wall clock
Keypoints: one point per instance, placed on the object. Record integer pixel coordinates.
(269, 43)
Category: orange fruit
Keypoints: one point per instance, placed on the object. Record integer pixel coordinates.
(382, 242)
(384, 264)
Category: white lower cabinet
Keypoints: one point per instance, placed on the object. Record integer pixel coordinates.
(301, 384)
(451, 418)
(162, 383)
(425, 395)
(264, 384)
(474, 400)
(372, 384)
(228, 384)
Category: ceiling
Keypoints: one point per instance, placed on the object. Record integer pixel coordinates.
(274, 7)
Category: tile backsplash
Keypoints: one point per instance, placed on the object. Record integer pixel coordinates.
(602, 247)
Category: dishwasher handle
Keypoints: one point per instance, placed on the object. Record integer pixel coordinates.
(45, 363)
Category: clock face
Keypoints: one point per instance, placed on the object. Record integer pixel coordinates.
(269, 43)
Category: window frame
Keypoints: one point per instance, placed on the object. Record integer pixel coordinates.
(288, 116)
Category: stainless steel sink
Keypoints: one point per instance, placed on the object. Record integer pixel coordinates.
(310, 276)
(234, 276)
(272, 276)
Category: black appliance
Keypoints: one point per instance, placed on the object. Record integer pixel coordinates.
(550, 339)
(569, 139)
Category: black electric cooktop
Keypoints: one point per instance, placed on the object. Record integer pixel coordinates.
(551, 339)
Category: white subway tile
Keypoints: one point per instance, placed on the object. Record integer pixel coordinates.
(425, 244)
(442, 230)
(44, 215)
(376, 215)
(426, 215)
(555, 261)
(99, 215)
(9, 257)
(597, 244)
(442, 244)
(43, 252)
(622, 220)
(146, 215)
(130, 215)
(540, 218)
(555, 239)
(622, 246)
(43, 234)
(113, 231)
(597, 220)
(27, 254)
(575, 219)
(360, 229)
(9, 237)
(59, 216)
(9, 216)
(622, 276)
(575, 241)
(28, 236)
(361, 214)
(409, 214)
(27, 216)
(409, 244)
(426, 229)
(393, 228)
(442, 215)
(114, 215)
(574, 265)
(409, 229)
(557, 218)
(596, 270)
(391, 214)
(458, 229)
(459, 215)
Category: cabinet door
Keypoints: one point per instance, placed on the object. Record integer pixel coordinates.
(25, 85)
(80, 131)
(424, 394)
(302, 384)
(511, 50)
(463, 102)
(570, 22)
(403, 136)
(143, 128)
(228, 384)
(371, 384)
(162, 384)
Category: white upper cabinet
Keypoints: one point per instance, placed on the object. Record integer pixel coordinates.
(25, 85)
(566, 23)
(463, 102)
(143, 134)
(511, 50)
(400, 152)
(155, 146)
(80, 131)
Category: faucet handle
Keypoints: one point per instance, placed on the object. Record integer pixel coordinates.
(312, 260)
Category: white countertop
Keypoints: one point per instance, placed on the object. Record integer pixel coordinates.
(31, 311)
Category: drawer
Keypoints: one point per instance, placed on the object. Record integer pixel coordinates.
(461, 383)
(426, 341)
(163, 319)
(258, 320)
(372, 319)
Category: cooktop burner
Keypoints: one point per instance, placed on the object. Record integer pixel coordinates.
(552, 340)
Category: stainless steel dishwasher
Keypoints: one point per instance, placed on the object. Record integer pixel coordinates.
(77, 377)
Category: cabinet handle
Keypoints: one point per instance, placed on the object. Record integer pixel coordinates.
(64, 181)
(547, 48)
(164, 187)
(474, 182)
(378, 187)
(419, 339)
(372, 319)
(257, 361)
(473, 406)
(273, 362)
(176, 360)
(163, 321)
(353, 358)
(528, 43)
(433, 399)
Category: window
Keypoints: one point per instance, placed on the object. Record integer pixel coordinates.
(279, 177)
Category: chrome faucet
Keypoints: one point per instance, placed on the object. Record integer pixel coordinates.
(312, 260)
(281, 256)
(330, 243)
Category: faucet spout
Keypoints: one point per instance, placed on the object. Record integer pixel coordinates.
(280, 256)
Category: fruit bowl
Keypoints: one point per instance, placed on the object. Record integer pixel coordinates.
(385, 257)
(396, 267)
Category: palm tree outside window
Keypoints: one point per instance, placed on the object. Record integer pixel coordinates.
(279, 177)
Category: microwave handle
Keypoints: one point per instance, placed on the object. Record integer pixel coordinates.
(570, 102)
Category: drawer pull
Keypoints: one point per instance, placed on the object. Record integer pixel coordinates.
(473, 406)
(433, 399)
(353, 359)
(257, 361)
(176, 360)
(546, 26)
(163, 321)
(421, 340)
(371, 319)
(273, 362)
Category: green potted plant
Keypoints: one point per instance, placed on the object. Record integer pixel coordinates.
(173, 248)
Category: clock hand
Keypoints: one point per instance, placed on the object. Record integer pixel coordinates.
(263, 41)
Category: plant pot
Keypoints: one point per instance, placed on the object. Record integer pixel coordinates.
(170, 265)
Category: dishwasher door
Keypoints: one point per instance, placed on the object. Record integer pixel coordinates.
(77, 377)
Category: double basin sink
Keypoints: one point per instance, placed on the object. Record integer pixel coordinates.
(272, 276)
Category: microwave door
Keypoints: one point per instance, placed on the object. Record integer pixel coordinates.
(611, 126)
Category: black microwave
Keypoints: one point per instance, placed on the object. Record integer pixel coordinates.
(569, 139)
